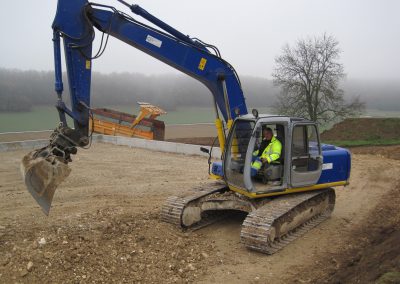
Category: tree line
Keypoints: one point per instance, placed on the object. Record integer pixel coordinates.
(21, 90)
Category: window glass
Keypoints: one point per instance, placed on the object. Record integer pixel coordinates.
(305, 149)
(236, 151)
(313, 148)
(299, 141)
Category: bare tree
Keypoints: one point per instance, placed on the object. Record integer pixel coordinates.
(308, 75)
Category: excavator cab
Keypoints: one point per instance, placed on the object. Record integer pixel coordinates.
(299, 164)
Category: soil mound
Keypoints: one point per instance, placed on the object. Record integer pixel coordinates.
(102, 245)
(364, 129)
(372, 255)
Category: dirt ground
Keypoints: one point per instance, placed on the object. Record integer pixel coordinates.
(104, 226)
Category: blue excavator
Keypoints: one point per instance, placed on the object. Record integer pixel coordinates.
(283, 199)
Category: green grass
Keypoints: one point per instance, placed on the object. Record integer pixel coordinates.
(182, 115)
(355, 143)
(40, 118)
(380, 113)
(46, 117)
(391, 277)
(43, 118)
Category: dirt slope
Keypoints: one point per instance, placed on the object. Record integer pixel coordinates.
(374, 253)
(364, 129)
(104, 225)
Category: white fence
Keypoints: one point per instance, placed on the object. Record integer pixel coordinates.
(160, 146)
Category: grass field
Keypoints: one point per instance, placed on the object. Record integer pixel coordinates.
(43, 118)
(40, 118)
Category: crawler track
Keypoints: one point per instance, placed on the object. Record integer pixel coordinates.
(173, 208)
(271, 224)
(280, 221)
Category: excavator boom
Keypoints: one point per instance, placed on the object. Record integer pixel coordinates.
(75, 23)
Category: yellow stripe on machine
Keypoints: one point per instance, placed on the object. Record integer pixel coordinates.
(215, 177)
(288, 190)
(220, 132)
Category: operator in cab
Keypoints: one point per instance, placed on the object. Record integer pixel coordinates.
(269, 151)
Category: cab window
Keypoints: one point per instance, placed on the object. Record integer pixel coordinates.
(305, 148)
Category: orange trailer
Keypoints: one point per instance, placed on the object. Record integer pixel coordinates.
(116, 123)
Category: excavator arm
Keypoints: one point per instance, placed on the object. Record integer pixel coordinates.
(75, 22)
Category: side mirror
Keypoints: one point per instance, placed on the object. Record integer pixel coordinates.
(205, 150)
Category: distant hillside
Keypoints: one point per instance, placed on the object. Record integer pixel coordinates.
(364, 131)
(20, 90)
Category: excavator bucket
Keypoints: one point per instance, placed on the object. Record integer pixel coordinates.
(42, 175)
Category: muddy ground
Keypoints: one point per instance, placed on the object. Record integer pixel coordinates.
(104, 227)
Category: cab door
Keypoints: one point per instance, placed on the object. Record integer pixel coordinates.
(305, 155)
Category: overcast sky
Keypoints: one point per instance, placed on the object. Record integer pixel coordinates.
(249, 34)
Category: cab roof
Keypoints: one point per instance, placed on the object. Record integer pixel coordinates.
(274, 117)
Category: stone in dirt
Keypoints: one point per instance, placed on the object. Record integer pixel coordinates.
(42, 242)
(29, 266)
(23, 272)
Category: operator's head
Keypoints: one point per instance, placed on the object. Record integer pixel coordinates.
(268, 133)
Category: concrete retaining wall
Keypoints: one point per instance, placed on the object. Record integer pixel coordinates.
(153, 145)
(19, 145)
(173, 131)
(24, 135)
(161, 146)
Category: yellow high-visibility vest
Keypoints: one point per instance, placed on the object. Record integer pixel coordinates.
(271, 153)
